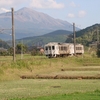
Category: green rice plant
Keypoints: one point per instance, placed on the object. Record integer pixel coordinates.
(71, 96)
(41, 88)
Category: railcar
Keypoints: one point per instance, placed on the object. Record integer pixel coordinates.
(54, 49)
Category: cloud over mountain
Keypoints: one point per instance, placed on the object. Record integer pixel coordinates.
(30, 3)
(46, 4)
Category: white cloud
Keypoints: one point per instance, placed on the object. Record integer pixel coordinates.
(5, 2)
(4, 10)
(70, 15)
(72, 4)
(12, 3)
(46, 4)
(8, 4)
(81, 13)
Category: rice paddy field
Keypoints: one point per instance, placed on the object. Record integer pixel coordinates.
(40, 78)
(50, 89)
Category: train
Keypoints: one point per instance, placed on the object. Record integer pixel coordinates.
(55, 49)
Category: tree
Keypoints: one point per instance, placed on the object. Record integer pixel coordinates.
(10, 51)
(21, 48)
(98, 50)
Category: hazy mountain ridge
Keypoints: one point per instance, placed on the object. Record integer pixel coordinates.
(55, 36)
(87, 35)
(29, 22)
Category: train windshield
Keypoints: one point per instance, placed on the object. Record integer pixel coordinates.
(53, 47)
(50, 48)
(46, 48)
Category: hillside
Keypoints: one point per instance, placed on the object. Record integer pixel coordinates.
(4, 44)
(55, 36)
(87, 35)
(29, 22)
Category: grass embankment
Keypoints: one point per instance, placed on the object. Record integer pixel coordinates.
(36, 67)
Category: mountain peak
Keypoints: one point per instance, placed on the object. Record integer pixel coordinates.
(29, 22)
(25, 9)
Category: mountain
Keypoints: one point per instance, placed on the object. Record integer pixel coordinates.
(55, 36)
(86, 36)
(29, 22)
(4, 45)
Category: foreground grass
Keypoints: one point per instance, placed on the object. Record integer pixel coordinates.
(42, 89)
(12, 87)
(73, 96)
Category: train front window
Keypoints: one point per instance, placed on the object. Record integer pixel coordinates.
(53, 48)
(65, 48)
(49, 47)
(46, 48)
(78, 48)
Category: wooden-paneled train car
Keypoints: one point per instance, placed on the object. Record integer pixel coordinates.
(54, 49)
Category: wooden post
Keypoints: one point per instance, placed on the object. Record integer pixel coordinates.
(74, 39)
(13, 35)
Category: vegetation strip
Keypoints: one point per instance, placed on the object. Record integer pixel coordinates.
(80, 69)
(58, 77)
(95, 95)
(91, 64)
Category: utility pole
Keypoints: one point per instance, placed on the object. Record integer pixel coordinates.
(97, 36)
(74, 39)
(13, 35)
(22, 50)
(98, 44)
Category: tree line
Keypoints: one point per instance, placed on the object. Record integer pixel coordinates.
(20, 49)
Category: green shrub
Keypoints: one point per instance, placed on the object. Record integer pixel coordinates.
(98, 53)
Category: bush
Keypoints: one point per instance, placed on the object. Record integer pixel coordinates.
(3, 53)
(36, 53)
(98, 52)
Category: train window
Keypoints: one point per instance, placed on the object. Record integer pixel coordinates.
(61, 48)
(49, 47)
(78, 48)
(46, 48)
(65, 48)
(53, 47)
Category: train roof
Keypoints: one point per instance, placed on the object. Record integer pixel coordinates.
(59, 43)
(51, 43)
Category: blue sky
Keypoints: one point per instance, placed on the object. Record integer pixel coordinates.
(83, 13)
